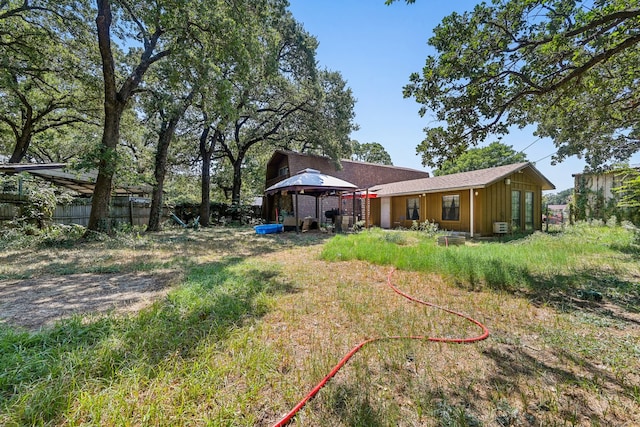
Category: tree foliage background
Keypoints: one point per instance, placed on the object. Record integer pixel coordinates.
(569, 67)
(495, 154)
(165, 93)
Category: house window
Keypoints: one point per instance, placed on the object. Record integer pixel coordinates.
(451, 208)
(283, 171)
(515, 210)
(413, 209)
(528, 210)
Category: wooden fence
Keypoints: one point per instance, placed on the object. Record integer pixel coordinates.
(124, 210)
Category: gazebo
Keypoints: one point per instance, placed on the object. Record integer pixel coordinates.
(311, 182)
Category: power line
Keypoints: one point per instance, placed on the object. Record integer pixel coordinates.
(546, 156)
(536, 140)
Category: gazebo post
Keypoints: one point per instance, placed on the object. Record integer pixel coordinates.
(317, 211)
(354, 210)
(297, 223)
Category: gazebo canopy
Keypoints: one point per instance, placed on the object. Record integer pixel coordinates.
(312, 182)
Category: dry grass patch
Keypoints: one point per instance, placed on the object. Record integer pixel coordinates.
(540, 366)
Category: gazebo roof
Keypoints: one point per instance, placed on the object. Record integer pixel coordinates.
(311, 181)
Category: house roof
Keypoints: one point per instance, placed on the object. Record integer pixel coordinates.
(281, 152)
(459, 181)
(605, 172)
(362, 174)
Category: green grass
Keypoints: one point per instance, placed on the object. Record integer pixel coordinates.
(85, 362)
(254, 323)
(543, 265)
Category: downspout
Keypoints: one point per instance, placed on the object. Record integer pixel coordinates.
(471, 212)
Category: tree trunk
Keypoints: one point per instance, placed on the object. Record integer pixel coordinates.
(237, 185)
(167, 131)
(159, 174)
(205, 204)
(115, 102)
(99, 217)
(205, 177)
(21, 147)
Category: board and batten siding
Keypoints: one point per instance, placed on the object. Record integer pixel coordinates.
(491, 204)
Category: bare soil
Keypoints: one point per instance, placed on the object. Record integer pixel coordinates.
(40, 302)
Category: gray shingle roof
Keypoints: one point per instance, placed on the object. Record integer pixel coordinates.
(474, 179)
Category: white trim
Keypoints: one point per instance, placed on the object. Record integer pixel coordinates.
(471, 211)
(385, 212)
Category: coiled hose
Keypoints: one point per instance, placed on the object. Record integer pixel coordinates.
(485, 333)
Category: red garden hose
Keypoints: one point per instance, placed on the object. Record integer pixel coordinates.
(485, 333)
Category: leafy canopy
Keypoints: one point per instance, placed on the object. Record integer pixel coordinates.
(495, 154)
(571, 67)
(372, 152)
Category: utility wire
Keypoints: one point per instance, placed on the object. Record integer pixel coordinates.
(546, 156)
(536, 140)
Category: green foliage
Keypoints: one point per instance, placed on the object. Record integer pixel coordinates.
(629, 190)
(429, 228)
(495, 154)
(46, 83)
(567, 66)
(371, 153)
(40, 197)
(592, 204)
(560, 198)
(29, 236)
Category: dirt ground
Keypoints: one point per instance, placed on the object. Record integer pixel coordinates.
(40, 302)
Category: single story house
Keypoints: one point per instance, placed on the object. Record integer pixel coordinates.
(284, 164)
(478, 203)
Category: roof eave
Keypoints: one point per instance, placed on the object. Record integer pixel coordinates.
(434, 190)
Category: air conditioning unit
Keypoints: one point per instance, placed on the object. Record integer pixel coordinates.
(500, 228)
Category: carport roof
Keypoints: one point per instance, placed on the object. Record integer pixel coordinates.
(83, 183)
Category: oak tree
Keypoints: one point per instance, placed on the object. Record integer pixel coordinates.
(570, 67)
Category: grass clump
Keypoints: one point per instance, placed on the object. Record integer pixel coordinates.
(564, 261)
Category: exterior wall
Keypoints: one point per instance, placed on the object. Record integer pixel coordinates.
(599, 183)
(375, 212)
(595, 198)
(524, 182)
(491, 204)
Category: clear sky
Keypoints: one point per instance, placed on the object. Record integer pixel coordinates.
(376, 47)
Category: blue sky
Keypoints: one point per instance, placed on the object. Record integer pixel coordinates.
(376, 47)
